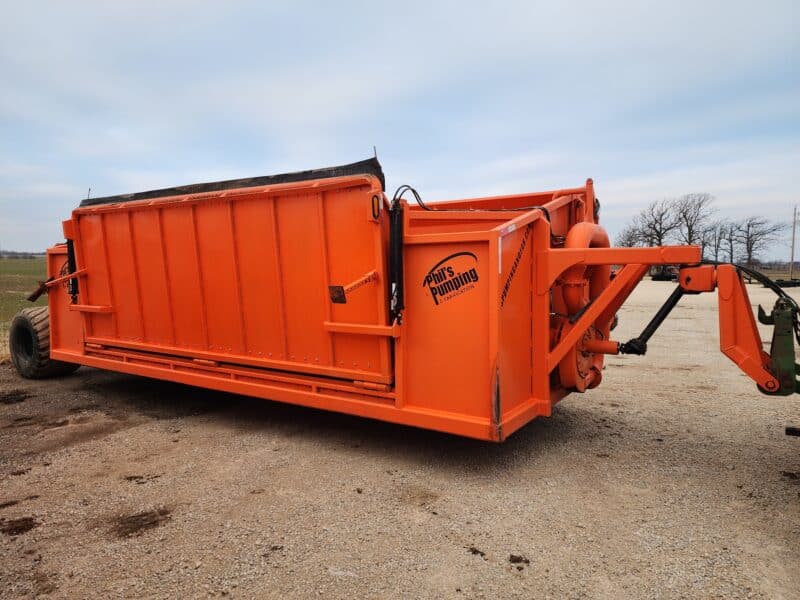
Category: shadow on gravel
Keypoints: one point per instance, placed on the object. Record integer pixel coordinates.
(578, 426)
(167, 400)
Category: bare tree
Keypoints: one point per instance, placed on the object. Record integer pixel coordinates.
(730, 240)
(755, 234)
(656, 223)
(692, 213)
(715, 238)
(688, 220)
(629, 237)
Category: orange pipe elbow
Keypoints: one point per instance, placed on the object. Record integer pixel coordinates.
(584, 235)
(581, 369)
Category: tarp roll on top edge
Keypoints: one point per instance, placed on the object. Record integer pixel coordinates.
(371, 166)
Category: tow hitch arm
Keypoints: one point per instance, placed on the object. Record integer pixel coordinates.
(774, 373)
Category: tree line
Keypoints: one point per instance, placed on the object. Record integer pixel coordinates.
(691, 219)
(15, 254)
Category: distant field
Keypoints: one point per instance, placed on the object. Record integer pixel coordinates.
(18, 278)
(780, 273)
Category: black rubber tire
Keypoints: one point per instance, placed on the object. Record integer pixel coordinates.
(29, 343)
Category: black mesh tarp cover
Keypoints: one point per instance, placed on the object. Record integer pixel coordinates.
(371, 166)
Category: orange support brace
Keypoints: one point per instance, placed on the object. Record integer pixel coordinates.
(739, 339)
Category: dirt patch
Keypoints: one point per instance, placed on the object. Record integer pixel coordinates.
(130, 525)
(54, 432)
(83, 407)
(23, 421)
(140, 479)
(10, 503)
(14, 397)
(17, 526)
(703, 388)
(420, 496)
(272, 550)
(43, 584)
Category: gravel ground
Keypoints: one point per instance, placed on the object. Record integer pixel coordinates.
(674, 478)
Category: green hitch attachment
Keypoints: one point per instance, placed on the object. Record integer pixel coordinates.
(782, 357)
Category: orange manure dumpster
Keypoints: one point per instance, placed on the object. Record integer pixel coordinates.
(315, 288)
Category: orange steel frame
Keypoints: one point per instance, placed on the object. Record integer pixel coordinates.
(481, 364)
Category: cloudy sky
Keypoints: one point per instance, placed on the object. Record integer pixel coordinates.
(650, 99)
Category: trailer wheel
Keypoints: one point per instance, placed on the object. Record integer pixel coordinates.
(29, 343)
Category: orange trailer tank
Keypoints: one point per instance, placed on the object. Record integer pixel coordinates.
(470, 317)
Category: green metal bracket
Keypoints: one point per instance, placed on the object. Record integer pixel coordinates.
(782, 358)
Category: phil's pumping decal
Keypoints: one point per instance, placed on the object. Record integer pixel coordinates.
(451, 277)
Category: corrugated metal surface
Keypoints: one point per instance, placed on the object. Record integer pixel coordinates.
(242, 276)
